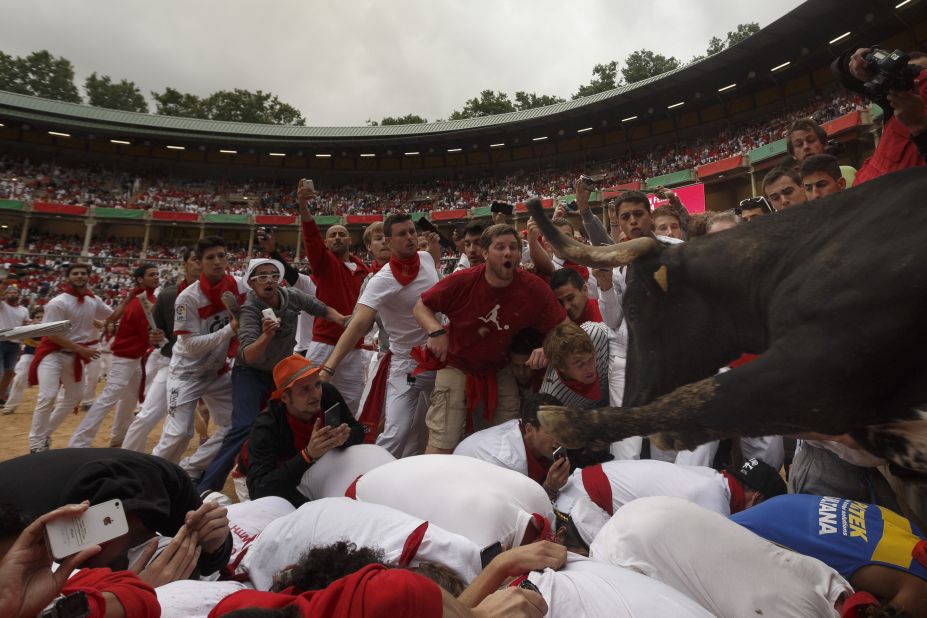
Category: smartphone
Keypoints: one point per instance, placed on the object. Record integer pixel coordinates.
(490, 552)
(98, 524)
(528, 585)
(559, 453)
(307, 182)
(269, 313)
(333, 416)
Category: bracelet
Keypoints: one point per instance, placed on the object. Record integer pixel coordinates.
(438, 333)
(305, 453)
(327, 370)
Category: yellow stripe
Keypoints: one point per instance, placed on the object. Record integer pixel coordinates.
(897, 540)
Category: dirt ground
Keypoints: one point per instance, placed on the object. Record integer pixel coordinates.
(14, 433)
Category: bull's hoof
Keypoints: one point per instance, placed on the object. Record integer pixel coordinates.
(567, 425)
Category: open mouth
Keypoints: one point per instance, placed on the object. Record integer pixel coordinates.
(507, 264)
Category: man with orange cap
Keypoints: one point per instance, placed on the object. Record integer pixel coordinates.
(291, 433)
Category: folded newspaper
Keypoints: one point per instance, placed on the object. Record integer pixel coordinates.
(33, 331)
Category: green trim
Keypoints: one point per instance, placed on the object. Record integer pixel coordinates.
(669, 180)
(217, 217)
(105, 212)
(12, 204)
(481, 211)
(419, 215)
(774, 149)
(327, 220)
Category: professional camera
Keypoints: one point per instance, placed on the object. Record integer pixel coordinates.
(891, 72)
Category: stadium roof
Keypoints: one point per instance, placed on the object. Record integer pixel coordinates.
(799, 38)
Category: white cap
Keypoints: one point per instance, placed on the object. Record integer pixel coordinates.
(253, 264)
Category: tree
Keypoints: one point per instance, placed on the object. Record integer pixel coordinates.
(644, 63)
(742, 32)
(407, 119)
(530, 100)
(228, 105)
(714, 46)
(172, 102)
(39, 74)
(488, 104)
(605, 78)
(125, 95)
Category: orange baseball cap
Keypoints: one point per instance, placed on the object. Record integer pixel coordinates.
(291, 370)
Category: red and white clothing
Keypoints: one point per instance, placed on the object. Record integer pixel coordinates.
(482, 502)
(136, 597)
(54, 368)
(403, 538)
(199, 369)
(504, 446)
(691, 549)
(248, 519)
(574, 394)
(404, 397)
(594, 493)
(124, 386)
(190, 598)
(330, 476)
(305, 321)
(592, 589)
(154, 408)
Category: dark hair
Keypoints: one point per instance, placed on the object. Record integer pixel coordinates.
(821, 163)
(560, 221)
(320, 566)
(206, 243)
(526, 341)
(566, 276)
(805, 124)
(572, 539)
(634, 197)
(474, 229)
(441, 575)
(188, 252)
(666, 211)
(698, 225)
(780, 172)
(391, 220)
(528, 413)
(75, 266)
(290, 611)
(142, 269)
(494, 231)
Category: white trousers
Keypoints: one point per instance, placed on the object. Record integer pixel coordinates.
(351, 375)
(121, 391)
(20, 383)
(153, 409)
(405, 403)
(92, 372)
(182, 395)
(56, 371)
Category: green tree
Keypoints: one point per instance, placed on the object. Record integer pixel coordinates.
(407, 119)
(489, 103)
(172, 102)
(124, 95)
(229, 105)
(644, 63)
(39, 74)
(714, 46)
(605, 77)
(742, 32)
(530, 100)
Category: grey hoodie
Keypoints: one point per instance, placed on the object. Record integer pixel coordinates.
(292, 302)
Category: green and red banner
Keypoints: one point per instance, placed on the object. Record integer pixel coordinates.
(449, 215)
(719, 167)
(168, 215)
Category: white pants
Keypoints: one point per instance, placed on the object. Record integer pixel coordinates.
(92, 372)
(55, 371)
(153, 409)
(182, 395)
(351, 375)
(20, 383)
(404, 432)
(120, 390)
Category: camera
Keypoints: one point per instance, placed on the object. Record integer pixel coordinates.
(592, 180)
(891, 72)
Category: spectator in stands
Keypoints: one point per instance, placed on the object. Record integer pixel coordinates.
(753, 207)
(783, 188)
(807, 138)
(820, 176)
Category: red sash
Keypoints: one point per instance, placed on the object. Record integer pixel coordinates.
(45, 348)
(597, 485)
(376, 398)
(738, 500)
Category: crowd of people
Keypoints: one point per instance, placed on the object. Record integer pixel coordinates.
(378, 442)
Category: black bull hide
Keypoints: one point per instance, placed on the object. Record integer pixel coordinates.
(829, 294)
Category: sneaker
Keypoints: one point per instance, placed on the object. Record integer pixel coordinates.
(8, 411)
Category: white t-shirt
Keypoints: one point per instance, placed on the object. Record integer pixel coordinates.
(726, 568)
(394, 303)
(483, 502)
(189, 598)
(81, 315)
(248, 519)
(329, 520)
(589, 589)
(501, 446)
(187, 320)
(11, 317)
(304, 324)
(331, 475)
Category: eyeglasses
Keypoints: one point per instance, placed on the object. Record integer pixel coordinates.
(265, 278)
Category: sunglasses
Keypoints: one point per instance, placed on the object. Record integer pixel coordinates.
(265, 278)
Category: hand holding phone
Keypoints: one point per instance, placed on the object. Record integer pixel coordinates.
(98, 524)
(333, 416)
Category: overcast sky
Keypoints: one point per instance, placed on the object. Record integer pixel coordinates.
(342, 62)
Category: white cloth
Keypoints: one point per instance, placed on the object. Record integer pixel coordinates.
(189, 598)
(56, 371)
(153, 409)
(483, 502)
(248, 519)
(351, 375)
(585, 588)
(726, 568)
(326, 521)
(120, 390)
(20, 383)
(11, 317)
(331, 475)
(404, 407)
(501, 446)
(81, 315)
(305, 321)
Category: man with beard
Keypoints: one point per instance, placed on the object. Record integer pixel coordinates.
(125, 381)
(392, 293)
(472, 256)
(486, 306)
(339, 276)
(12, 314)
(59, 360)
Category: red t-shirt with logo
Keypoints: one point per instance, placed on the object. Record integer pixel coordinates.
(483, 319)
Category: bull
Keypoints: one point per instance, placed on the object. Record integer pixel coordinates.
(829, 294)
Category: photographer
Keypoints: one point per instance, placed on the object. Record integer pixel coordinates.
(904, 136)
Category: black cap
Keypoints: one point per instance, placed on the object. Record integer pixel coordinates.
(760, 476)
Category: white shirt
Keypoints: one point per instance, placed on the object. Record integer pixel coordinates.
(11, 317)
(483, 502)
(304, 324)
(247, 520)
(189, 598)
(585, 588)
(81, 315)
(326, 521)
(501, 446)
(187, 321)
(726, 568)
(394, 303)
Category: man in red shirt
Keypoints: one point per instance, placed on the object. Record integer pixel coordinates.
(339, 276)
(485, 305)
(124, 383)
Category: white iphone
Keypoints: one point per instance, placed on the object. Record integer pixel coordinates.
(100, 523)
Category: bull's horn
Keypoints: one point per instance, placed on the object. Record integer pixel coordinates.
(608, 256)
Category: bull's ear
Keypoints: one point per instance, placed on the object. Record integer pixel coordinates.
(660, 277)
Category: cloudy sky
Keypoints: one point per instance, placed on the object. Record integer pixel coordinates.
(342, 62)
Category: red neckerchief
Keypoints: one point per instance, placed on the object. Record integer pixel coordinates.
(582, 270)
(537, 468)
(589, 391)
(591, 312)
(149, 293)
(182, 286)
(67, 288)
(406, 270)
(738, 500)
(214, 294)
(375, 266)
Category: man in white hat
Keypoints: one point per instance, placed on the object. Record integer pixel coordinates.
(265, 338)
